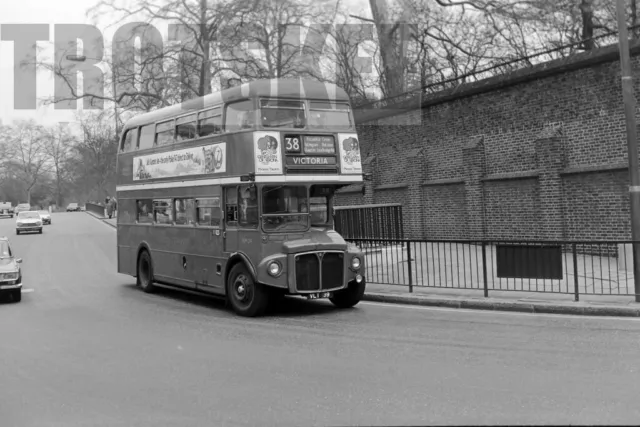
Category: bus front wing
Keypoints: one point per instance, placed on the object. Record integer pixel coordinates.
(314, 274)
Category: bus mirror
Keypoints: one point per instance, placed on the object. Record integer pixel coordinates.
(249, 177)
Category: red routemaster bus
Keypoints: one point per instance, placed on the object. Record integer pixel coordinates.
(232, 194)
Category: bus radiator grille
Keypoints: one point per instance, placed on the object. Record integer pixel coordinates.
(332, 270)
(307, 272)
(309, 266)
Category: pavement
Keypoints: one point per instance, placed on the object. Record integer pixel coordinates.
(471, 297)
(85, 347)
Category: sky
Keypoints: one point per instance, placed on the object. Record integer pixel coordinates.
(53, 12)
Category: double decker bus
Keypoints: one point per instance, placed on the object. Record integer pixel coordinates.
(232, 194)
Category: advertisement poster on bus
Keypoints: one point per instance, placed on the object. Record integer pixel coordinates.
(350, 161)
(267, 153)
(190, 161)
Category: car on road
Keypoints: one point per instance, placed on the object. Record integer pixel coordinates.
(22, 207)
(6, 209)
(46, 217)
(10, 271)
(28, 221)
(73, 207)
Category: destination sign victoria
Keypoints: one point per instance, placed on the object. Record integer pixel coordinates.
(306, 153)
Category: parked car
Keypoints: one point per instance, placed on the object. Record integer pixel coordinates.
(73, 207)
(22, 207)
(6, 209)
(10, 271)
(28, 221)
(46, 217)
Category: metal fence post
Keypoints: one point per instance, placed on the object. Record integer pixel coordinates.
(409, 267)
(576, 287)
(484, 269)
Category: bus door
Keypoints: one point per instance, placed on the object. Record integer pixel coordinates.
(242, 233)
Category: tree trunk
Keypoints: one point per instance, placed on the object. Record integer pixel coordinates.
(587, 24)
(390, 49)
(205, 66)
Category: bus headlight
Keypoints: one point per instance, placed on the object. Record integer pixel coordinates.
(355, 263)
(274, 268)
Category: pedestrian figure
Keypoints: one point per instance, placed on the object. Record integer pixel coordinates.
(110, 204)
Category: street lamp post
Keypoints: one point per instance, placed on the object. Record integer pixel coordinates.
(629, 100)
(82, 58)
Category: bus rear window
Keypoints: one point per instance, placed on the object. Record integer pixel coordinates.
(329, 115)
(282, 113)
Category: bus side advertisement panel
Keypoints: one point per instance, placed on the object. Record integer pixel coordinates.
(350, 162)
(267, 151)
(209, 159)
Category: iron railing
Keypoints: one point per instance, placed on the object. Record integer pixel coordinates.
(95, 208)
(369, 221)
(562, 267)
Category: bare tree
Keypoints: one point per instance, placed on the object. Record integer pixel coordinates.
(29, 161)
(59, 145)
(94, 161)
(277, 39)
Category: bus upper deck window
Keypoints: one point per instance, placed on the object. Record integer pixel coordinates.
(130, 140)
(239, 115)
(333, 114)
(282, 113)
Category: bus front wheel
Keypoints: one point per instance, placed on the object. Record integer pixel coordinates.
(247, 298)
(349, 297)
(145, 272)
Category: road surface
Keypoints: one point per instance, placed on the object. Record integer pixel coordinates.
(86, 348)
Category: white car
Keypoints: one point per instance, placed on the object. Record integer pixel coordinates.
(46, 217)
(28, 221)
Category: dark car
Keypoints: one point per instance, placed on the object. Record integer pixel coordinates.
(73, 207)
(10, 271)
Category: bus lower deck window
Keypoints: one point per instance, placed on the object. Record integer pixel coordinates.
(209, 213)
(144, 211)
(163, 211)
(185, 211)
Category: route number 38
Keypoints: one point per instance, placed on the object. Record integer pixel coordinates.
(292, 144)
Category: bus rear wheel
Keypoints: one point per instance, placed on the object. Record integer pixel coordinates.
(350, 296)
(144, 274)
(247, 298)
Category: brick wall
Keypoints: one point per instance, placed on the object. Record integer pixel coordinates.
(540, 153)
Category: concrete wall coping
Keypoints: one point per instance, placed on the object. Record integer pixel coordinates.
(574, 62)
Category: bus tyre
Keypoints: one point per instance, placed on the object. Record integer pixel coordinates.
(247, 298)
(349, 297)
(145, 273)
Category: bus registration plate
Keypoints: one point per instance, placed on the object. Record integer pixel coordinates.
(319, 295)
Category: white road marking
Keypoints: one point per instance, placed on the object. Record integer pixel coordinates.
(497, 312)
(27, 291)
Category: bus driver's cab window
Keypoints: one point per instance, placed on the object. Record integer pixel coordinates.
(231, 205)
(248, 206)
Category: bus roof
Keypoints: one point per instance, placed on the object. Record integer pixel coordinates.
(282, 88)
